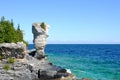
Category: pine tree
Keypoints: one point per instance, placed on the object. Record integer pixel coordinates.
(1, 34)
(12, 22)
(2, 18)
(8, 33)
(19, 34)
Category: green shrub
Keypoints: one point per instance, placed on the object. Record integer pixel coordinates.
(11, 60)
(43, 26)
(6, 67)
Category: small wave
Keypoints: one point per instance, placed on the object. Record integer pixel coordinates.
(80, 71)
(83, 71)
(68, 70)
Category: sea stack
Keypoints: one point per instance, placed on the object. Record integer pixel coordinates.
(40, 35)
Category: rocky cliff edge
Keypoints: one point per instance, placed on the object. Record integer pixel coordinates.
(29, 67)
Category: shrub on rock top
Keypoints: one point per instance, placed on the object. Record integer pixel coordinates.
(43, 26)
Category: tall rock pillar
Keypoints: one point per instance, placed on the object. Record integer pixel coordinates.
(39, 31)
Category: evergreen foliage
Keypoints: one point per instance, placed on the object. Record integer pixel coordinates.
(8, 33)
(43, 25)
(19, 34)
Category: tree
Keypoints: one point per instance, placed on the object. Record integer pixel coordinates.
(12, 22)
(2, 18)
(19, 34)
(1, 34)
(8, 33)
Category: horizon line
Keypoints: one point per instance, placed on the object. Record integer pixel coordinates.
(84, 43)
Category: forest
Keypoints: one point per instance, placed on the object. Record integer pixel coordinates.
(8, 33)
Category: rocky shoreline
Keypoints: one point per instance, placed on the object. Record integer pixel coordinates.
(33, 69)
(30, 64)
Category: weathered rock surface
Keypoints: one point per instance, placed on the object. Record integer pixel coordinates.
(17, 71)
(33, 69)
(31, 52)
(17, 50)
(44, 69)
(40, 36)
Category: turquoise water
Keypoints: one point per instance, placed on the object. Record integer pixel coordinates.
(96, 62)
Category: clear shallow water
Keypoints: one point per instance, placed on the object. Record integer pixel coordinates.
(94, 61)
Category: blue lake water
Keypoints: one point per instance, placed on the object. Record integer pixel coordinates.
(93, 61)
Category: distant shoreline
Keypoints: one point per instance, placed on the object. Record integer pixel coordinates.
(81, 44)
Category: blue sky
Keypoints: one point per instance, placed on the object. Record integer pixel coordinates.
(71, 21)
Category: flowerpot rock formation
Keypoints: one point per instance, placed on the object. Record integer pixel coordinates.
(40, 35)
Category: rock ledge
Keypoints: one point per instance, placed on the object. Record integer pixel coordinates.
(30, 64)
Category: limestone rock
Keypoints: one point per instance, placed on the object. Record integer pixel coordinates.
(85, 79)
(39, 31)
(31, 52)
(30, 67)
(13, 49)
(34, 69)
(17, 71)
(44, 70)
